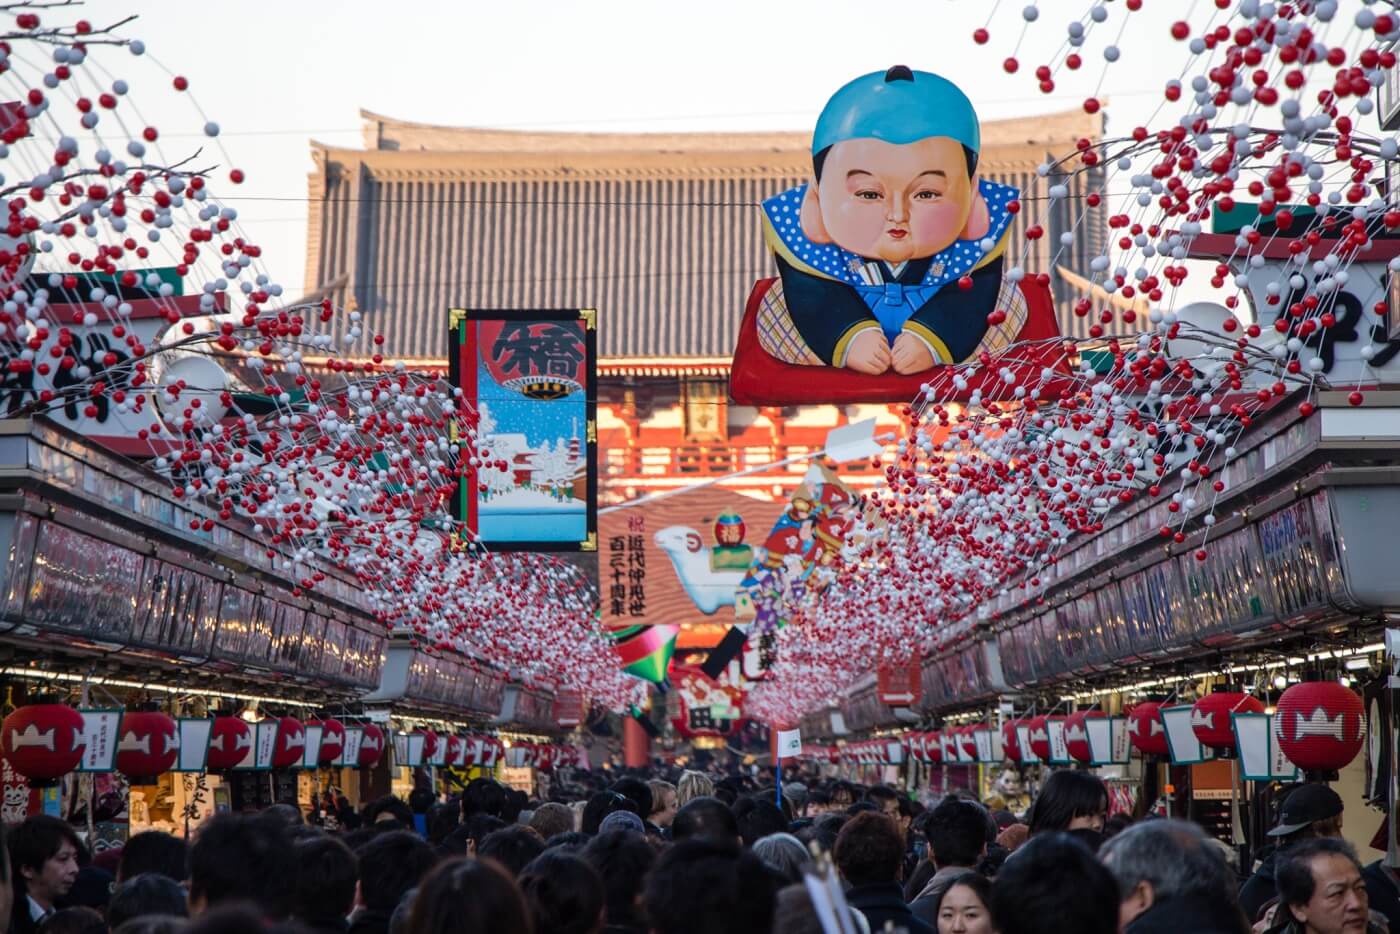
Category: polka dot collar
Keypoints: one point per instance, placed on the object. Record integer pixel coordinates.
(784, 210)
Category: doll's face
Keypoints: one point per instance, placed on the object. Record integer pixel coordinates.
(891, 202)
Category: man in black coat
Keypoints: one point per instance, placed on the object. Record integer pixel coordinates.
(1172, 878)
(869, 853)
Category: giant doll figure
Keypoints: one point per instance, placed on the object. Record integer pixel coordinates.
(890, 259)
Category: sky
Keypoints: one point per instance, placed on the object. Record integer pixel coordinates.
(277, 75)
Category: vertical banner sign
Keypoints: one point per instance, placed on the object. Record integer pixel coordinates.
(1023, 740)
(350, 751)
(311, 753)
(531, 377)
(195, 734)
(417, 742)
(1261, 758)
(100, 730)
(265, 743)
(1185, 748)
(1059, 751)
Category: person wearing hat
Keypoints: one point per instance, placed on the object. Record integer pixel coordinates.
(1309, 811)
(890, 258)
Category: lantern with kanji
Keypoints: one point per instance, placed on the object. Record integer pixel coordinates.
(289, 750)
(1146, 731)
(1010, 742)
(1320, 725)
(371, 746)
(149, 745)
(332, 739)
(1210, 717)
(730, 530)
(230, 742)
(43, 742)
(1077, 734)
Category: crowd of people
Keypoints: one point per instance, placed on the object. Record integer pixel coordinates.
(698, 855)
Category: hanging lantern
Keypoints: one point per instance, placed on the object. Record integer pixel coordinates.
(230, 741)
(1077, 734)
(454, 749)
(967, 743)
(1038, 734)
(1320, 725)
(1146, 730)
(1010, 742)
(290, 749)
(933, 748)
(332, 739)
(1210, 717)
(430, 744)
(149, 746)
(371, 746)
(43, 742)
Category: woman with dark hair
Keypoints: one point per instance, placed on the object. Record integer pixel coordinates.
(469, 896)
(962, 909)
(565, 894)
(1069, 800)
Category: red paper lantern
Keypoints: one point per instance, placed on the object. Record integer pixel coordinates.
(1210, 717)
(430, 744)
(230, 741)
(1077, 734)
(290, 747)
(967, 742)
(933, 748)
(1038, 735)
(1146, 730)
(43, 742)
(371, 746)
(454, 749)
(1010, 741)
(149, 746)
(1320, 725)
(332, 739)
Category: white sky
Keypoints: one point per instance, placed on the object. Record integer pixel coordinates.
(275, 75)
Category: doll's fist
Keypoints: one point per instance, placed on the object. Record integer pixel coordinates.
(910, 355)
(869, 353)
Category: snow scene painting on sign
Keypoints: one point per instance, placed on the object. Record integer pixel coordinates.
(529, 376)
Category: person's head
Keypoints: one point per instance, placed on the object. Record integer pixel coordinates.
(885, 798)
(288, 814)
(663, 802)
(826, 829)
(818, 802)
(797, 793)
(887, 188)
(784, 854)
(692, 785)
(565, 894)
(390, 865)
(705, 817)
(512, 847)
(637, 791)
(550, 820)
(421, 800)
(327, 873)
(1311, 810)
(147, 894)
(155, 851)
(469, 896)
(758, 817)
(956, 832)
(1160, 860)
(44, 857)
(152, 924)
(1069, 800)
(389, 808)
(74, 921)
(963, 908)
(570, 842)
(603, 803)
(241, 859)
(483, 796)
(1054, 885)
(843, 795)
(1320, 885)
(702, 886)
(623, 860)
(869, 849)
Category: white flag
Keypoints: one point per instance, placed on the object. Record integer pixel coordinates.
(789, 743)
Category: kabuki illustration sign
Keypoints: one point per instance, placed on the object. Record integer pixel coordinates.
(890, 258)
(529, 376)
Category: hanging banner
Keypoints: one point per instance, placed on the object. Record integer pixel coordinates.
(679, 561)
(890, 261)
(101, 727)
(264, 744)
(195, 735)
(1185, 748)
(1023, 742)
(1059, 749)
(1108, 740)
(530, 376)
(311, 752)
(1261, 757)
